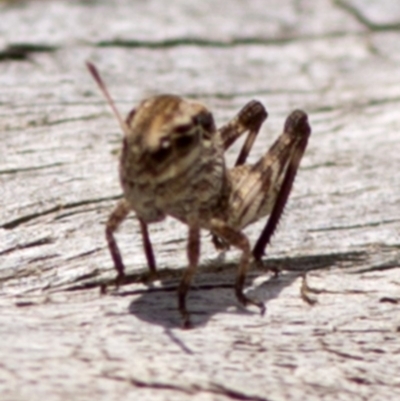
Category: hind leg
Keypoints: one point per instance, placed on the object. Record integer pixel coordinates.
(263, 188)
(249, 119)
(286, 154)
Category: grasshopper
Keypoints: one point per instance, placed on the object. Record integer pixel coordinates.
(172, 164)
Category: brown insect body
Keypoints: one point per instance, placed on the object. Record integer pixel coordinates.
(172, 163)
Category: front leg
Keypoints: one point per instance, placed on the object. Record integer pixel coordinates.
(148, 248)
(193, 254)
(239, 240)
(117, 216)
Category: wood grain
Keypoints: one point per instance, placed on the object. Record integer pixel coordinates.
(61, 339)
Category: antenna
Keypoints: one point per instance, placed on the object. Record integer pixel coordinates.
(96, 76)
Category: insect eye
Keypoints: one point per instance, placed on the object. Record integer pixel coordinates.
(206, 121)
(161, 154)
(184, 141)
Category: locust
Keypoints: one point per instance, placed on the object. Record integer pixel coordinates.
(172, 163)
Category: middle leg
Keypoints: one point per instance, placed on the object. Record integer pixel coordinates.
(239, 240)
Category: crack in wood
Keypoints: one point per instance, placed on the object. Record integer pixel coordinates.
(389, 300)
(341, 354)
(84, 254)
(22, 51)
(28, 169)
(86, 117)
(32, 216)
(238, 94)
(191, 388)
(39, 242)
(355, 226)
(62, 216)
(392, 264)
(201, 42)
(235, 394)
(355, 12)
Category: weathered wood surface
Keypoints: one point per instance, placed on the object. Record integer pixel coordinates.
(60, 339)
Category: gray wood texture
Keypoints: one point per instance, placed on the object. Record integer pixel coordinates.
(60, 339)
